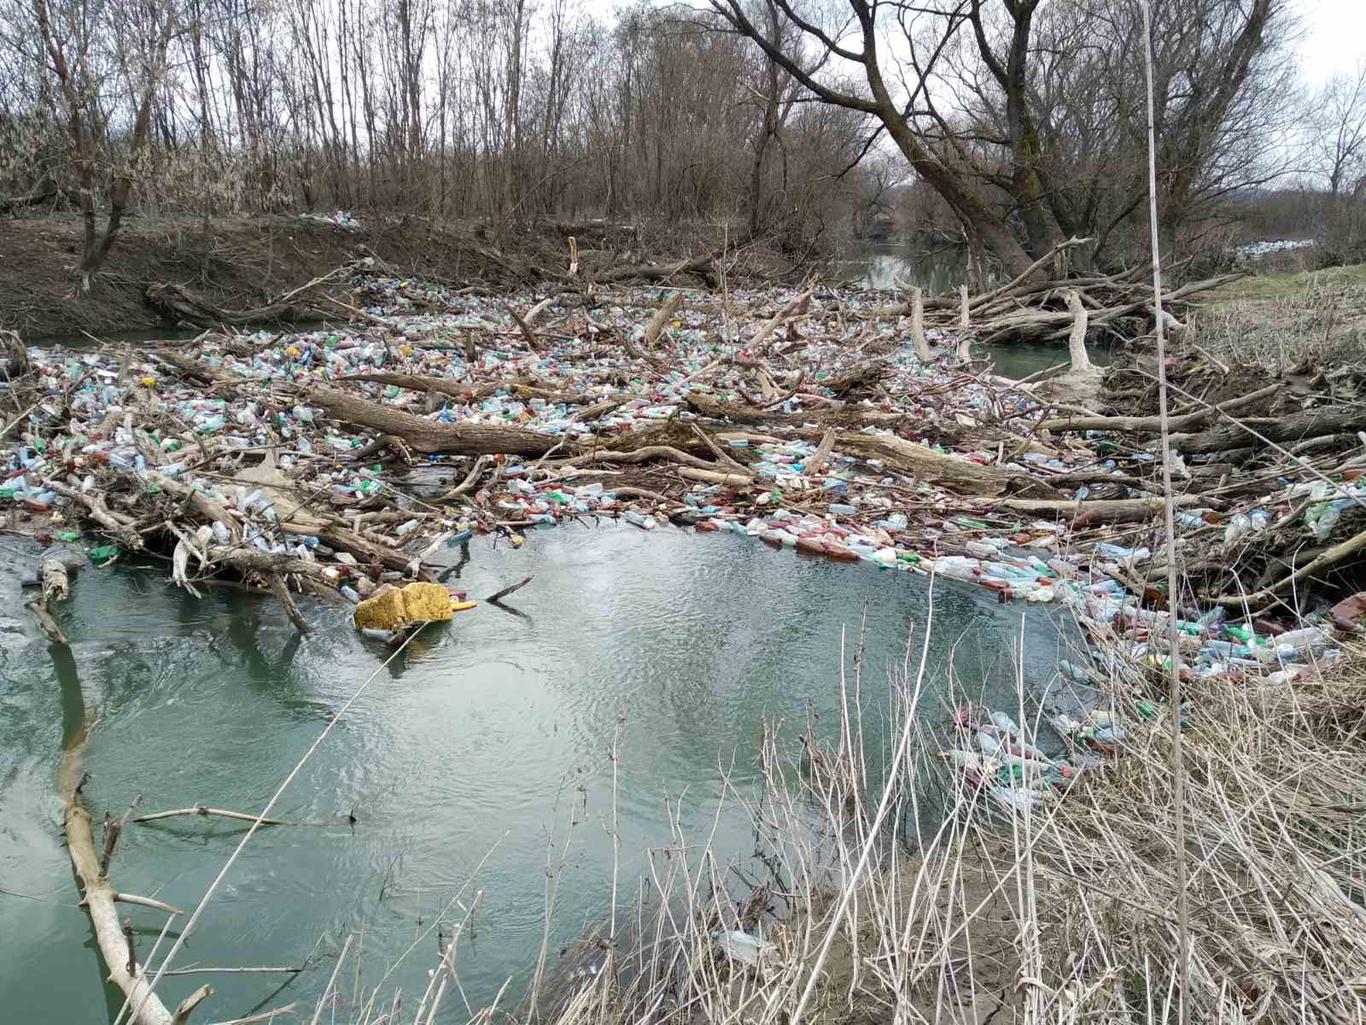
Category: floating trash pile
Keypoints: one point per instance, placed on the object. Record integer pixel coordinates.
(1266, 247)
(337, 460)
(1086, 717)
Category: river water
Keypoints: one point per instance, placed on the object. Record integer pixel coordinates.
(895, 264)
(463, 759)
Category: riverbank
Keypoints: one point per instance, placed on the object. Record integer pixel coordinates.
(248, 262)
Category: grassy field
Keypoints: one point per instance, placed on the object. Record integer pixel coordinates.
(1287, 318)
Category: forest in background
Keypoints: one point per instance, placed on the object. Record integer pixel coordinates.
(1007, 126)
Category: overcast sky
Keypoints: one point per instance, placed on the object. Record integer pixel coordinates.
(1333, 34)
(1334, 37)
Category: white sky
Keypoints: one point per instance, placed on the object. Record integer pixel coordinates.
(1333, 34)
(1334, 37)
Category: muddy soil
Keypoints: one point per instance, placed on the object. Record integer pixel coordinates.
(242, 262)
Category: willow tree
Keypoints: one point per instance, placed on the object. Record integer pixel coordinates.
(818, 46)
(1026, 116)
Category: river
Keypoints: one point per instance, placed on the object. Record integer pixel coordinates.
(472, 749)
(894, 265)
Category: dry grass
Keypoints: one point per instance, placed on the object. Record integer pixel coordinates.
(1062, 913)
(1284, 320)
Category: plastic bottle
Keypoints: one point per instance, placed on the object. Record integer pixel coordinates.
(1305, 637)
(1003, 721)
(741, 946)
(885, 557)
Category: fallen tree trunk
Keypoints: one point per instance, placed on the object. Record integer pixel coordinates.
(960, 475)
(736, 413)
(1118, 510)
(1153, 424)
(370, 551)
(253, 561)
(180, 304)
(647, 454)
(429, 436)
(418, 382)
(861, 376)
(1294, 427)
(195, 368)
(660, 319)
(1266, 595)
(730, 480)
(698, 265)
(796, 305)
(115, 524)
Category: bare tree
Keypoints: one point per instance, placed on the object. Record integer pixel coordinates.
(1338, 146)
(856, 41)
(1339, 128)
(1025, 118)
(135, 64)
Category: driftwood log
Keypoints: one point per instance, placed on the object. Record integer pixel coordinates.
(428, 436)
(958, 475)
(1094, 512)
(1314, 423)
(1153, 424)
(99, 897)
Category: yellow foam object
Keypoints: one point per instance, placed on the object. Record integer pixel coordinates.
(393, 608)
(461, 606)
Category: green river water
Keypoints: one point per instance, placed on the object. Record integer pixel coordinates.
(472, 747)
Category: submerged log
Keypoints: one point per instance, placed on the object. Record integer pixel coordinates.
(99, 896)
(204, 811)
(500, 595)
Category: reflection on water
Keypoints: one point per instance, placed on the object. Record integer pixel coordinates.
(475, 746)
(893, 265)
(1019, 360)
